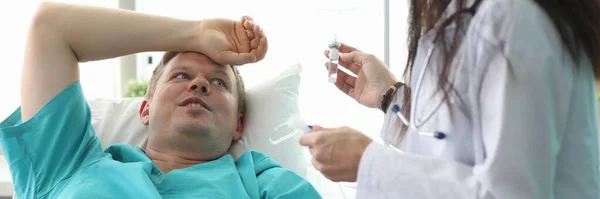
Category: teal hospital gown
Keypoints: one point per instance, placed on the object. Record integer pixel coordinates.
(56, 154)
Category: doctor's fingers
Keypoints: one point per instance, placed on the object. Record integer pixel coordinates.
(345, 88)
(361, 60)
(313, 139)
(321, 150)
(340, 62)
(316, 138)
(343, 77)
(343, 49)
(321, 161)
(309, 139)
(357, 58)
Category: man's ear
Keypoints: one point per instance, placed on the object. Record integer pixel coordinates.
(239, 130)
(145, 112)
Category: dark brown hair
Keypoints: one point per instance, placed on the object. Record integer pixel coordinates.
(168, 56)
(577, 22)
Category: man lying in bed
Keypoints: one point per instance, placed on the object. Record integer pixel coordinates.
(194, 111)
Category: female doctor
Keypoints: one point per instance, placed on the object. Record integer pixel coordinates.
(499, 102)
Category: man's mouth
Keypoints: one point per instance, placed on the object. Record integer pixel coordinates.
(194, 102)
(194, 105)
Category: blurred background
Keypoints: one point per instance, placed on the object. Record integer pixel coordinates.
(298, 31)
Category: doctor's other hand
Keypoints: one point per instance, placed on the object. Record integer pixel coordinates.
(336, 152)
(231, 42)
(373, 77)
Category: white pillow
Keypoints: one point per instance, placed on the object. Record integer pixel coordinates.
(269, 104)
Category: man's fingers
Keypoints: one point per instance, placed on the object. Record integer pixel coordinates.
(261, 49)
(248, 22)
(256, 36)
(247, 17)
(257, 30)
(250, 34)
(249, 26)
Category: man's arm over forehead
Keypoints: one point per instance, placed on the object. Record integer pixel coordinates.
(61, 35)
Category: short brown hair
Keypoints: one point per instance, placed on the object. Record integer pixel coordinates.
(168, 56)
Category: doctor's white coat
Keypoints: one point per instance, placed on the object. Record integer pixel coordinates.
(523, 122)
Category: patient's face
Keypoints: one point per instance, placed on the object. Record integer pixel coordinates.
(195, 103)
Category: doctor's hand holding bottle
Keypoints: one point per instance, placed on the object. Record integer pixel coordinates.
(373, 79)
(336, 152)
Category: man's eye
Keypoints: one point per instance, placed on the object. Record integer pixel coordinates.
(219, 82)
(182, 76)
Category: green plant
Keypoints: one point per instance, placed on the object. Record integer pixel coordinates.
(136, 88)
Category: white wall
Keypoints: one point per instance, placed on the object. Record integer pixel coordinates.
(96, 77)
(14, 32)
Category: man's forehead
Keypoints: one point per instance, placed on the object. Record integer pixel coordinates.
(193, 60)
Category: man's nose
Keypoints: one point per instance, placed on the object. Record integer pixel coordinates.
(200, 84)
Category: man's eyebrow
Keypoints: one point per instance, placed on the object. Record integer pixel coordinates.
(188, 68)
